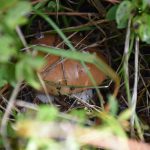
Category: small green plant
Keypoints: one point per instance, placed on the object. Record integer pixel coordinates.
(48, 128)
(138, 12)
(134, 15)
(14, 64)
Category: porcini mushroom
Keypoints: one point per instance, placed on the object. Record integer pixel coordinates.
(67, 76)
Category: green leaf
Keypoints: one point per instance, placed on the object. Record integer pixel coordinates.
(80, 114)
(123, 13)
(146, 2)
(25, 69)
(7, 48)
(2, 82)
(7, 73)
(111, 14)
(125, 115)
(5, 4)
(35, 62)
(30, 77)
(141, 5)
(30, 65)
(52, 4)
(19, 71)
(16, 15)
(113, 105)
(111, 122)
(141, 25)
(47, 113)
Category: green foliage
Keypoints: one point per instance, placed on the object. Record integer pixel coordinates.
(19, 10)
(123, 13)
(8, 45)
(43, 144)
(125, 115)
(111, 14)
(53, 5)
(113, 105)
(7, 74)
(24, 69)
(47, 123)
(141, 25)
(5, 4)
(112, 124)
(138, 12)
(47, 113)
(15, 65)
(80, 115)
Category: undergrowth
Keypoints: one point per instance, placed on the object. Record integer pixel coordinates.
(117, 115)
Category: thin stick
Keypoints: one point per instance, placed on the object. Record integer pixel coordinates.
(26, 105)
(134, 95)
(21, 36)
(73, 27)
(85, 103)
(3, 128)
(70, 13)
(44, 88)
(126, 59)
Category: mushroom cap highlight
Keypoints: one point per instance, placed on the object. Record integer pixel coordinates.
(67, 76)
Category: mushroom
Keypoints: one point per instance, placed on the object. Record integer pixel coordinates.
(66, 76)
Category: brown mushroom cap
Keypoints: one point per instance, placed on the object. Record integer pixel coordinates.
(67, 76)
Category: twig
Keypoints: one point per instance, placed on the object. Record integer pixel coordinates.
(85, 103)
(26, 105)
(45, 89)
(21, 36)
(70, 13)
(126, 59)
(3, 128)
(134, 95)
(73, 27)
(4, 88)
